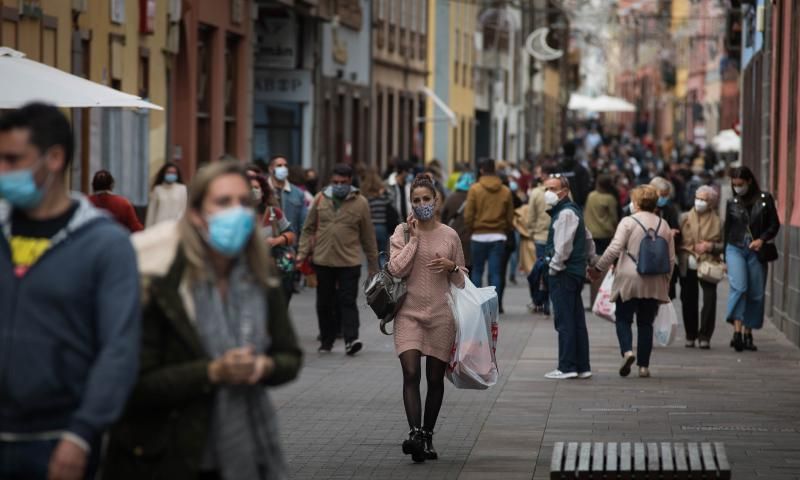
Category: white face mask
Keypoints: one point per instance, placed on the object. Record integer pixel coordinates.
(633, 208)
(551, 198)
(700, 205)
(741, 190)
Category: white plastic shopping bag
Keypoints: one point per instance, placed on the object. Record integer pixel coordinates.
(473, 364)
(666, 325)
(603, 306)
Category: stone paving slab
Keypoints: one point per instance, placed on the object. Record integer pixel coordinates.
(344, 417)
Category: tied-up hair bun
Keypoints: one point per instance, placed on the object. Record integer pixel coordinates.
(422, 181)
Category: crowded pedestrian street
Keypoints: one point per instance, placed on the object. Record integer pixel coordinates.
(343, 417)
(399, 239)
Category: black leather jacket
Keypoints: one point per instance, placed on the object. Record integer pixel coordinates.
(761, 217)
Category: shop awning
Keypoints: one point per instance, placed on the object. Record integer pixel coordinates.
(23, 81)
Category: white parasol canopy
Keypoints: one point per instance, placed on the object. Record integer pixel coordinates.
(603, 103)
(23, 81)
(727, 141)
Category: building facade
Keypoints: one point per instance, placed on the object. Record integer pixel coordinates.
(210, 87)
(451, 78)
(121, 44)
(399, 73)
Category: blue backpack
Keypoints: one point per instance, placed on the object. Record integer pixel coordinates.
(653, 252)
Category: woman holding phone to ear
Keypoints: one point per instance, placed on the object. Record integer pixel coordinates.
(430, 262)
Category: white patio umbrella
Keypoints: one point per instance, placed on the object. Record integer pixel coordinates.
(727, 141)
(579, 102)
(23, 81)
(604, 103)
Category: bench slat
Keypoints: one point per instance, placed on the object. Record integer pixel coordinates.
(680, 461)
(584, 461)
(572, 458)
(597, 457)
(612, 462)
(556, 461)
(709, 464)
(722, 461)
(695, 466)
(667, 464)
(639, 458)
(625, 460)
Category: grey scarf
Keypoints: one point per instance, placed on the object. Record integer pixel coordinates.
(243, 438)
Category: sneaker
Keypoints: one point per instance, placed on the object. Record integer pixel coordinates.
(559, 375)
(351, 348)
(690, 344)
(585, 375)
(625, 369)
(704, 344)
(644, 372)
(325, 348)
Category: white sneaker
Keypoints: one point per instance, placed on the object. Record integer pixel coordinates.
(559, 375)
(585, 375)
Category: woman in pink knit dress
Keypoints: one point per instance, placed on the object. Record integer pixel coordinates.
(430, 262)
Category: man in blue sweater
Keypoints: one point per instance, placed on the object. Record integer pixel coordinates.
(69, 307)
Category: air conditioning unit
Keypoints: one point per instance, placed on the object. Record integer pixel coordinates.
(80, 6)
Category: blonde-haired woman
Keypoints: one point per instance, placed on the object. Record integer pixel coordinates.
(215, 333)
(636, 294)
(701, 236)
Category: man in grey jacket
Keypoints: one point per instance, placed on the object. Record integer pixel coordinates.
(69, 307)
(569, 249)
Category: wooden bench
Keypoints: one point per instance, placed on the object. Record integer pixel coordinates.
(633, 461)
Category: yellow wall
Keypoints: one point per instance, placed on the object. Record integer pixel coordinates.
(29, 32)
(98, 20)
(463, 21)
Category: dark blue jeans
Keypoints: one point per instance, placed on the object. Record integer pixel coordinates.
(493, 252)
(382, 235)
(645, 310)
(570, 322)
(30, 460)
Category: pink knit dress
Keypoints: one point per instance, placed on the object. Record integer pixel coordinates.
(425, 321)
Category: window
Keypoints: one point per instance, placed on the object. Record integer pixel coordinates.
(143, 86)
(390, 133)
(380, 142)
(277, 128)
(231, 81)
(49, 41)
(204, 45)
(125, 150)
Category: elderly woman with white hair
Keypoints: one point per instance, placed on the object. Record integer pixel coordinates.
(701, 242)
(666, 209)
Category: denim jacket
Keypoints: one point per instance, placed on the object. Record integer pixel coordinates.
(293, 204)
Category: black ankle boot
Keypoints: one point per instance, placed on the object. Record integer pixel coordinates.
(415, 445)
(738, 342)
(430, 452)
(748, 342)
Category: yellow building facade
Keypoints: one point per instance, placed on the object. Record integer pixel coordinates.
(121, 44)
(451, 76)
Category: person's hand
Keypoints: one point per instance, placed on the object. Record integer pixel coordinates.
(68, 462)
(440, 264)
(235, 367)
(264, 367)
(371, 271)
(676, 232)
(275, 241)
(412, 226)
(699, 248)
(756, 244)
(594, 274)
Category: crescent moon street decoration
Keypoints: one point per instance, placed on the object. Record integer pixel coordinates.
(537, 47)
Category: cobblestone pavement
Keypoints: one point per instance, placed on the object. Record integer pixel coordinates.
(344, 417)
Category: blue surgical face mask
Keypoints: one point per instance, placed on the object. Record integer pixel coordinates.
(410, 178)
(230, 229)
(171, 177)
(514, 186)
(424, 212)
(20, 190)
(662, 201)
(340, 191)
(281, 173)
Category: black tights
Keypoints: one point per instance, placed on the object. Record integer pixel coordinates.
(434, 371)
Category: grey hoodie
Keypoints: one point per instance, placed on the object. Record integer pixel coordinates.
(69, 329)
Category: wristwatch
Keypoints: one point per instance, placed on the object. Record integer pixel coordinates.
(455, 269)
